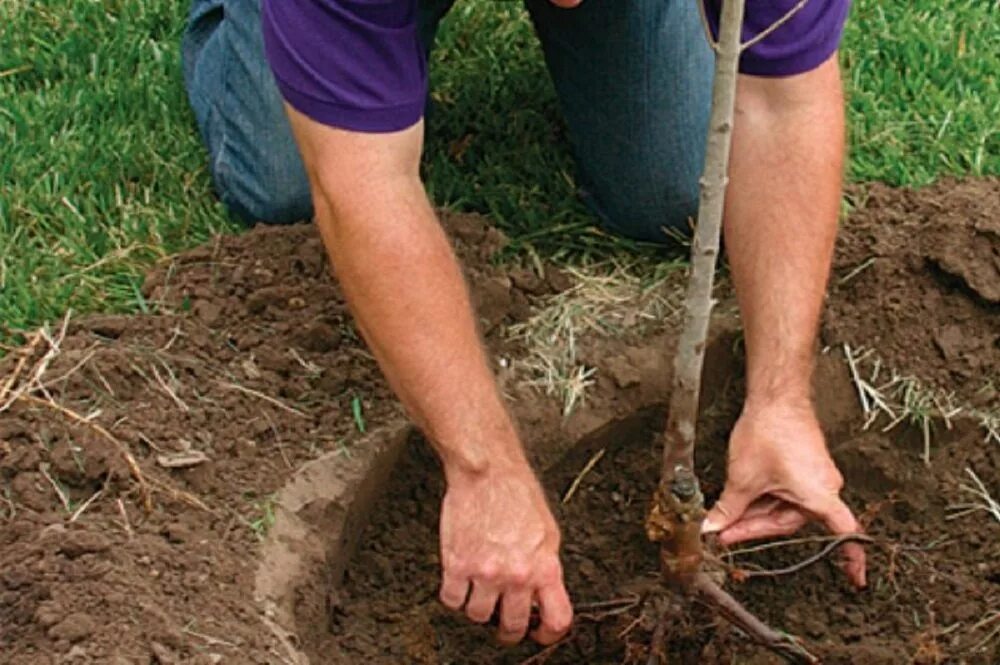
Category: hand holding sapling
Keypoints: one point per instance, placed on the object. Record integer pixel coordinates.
(780, 477)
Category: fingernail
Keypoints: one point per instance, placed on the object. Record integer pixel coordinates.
(710, 526)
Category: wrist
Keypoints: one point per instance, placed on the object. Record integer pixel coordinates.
(795, 402)
(482, 455)
(785, 383)
(463, 475)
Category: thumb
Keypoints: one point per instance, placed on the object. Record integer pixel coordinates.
(727, 510)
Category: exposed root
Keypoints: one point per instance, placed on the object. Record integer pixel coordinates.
(783, 644)
(543, 656)
(805, 563)
(658, 645)
(983, 502)
(27, 352)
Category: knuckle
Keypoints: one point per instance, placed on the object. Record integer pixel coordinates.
(519, 575)
(488, 571)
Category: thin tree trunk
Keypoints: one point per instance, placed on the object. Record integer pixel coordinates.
(678, 507)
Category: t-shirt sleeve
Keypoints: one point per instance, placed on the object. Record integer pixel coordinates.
(801, 44)
(353, 64)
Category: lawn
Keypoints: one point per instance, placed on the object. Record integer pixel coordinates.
(101, 171)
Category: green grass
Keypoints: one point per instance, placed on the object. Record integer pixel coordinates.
(101, 171)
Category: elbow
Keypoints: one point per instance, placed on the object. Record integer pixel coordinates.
(762, 97)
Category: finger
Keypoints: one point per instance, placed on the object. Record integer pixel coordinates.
(556, 614)
(781, 522)
(728, 509)
(454, 590)
(839, 519)
(515, 612)
(482, 602)
(763, 506)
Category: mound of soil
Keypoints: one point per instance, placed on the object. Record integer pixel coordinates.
(248, 367)
(917, 278)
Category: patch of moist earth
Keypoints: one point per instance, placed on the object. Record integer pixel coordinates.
(249, 368)
(251, 365)
(931, 579)
(917, 279)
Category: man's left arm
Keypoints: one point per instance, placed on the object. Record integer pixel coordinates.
(780, 223)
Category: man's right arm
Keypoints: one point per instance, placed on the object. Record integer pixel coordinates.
(499, 542)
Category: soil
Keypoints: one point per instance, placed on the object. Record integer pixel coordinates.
(927, 575)
(248, 367)
(917, 278)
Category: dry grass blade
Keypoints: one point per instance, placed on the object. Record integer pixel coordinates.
(13, 392)
(604, 301)
(267, 398)
(26, 353)
(991, 618)
(984, 503)
(63, 499)
(86, 504)
(583, 473)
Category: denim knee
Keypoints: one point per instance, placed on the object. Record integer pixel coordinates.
(655, 212)
(259, 196)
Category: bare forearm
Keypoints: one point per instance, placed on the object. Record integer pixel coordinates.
(781, 221)
(406, 291)
(409, 299)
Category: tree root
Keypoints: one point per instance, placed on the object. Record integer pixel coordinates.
(805, 563)
(658, 645)
(783, 644)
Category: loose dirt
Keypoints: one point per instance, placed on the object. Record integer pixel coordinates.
(931, 579)
(249, 366)
(917, 279)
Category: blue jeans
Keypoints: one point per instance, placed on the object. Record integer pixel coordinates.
(633, 79)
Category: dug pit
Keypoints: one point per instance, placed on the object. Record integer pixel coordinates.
(927, 572)
(264, 435)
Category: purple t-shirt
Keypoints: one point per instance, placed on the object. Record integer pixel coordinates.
(359, 65)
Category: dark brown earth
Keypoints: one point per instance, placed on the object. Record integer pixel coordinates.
(917, 278)
(928, 576)
(249, 366)
(251, 362)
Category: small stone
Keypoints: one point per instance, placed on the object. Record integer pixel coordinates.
(208, 311)
(182, 460)
(73, 628)
(75, 653)
(559, 280)
(78, 543)
(48, 614)
(950, 341)
(622, 372)
(176, 532)
(162, 654)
